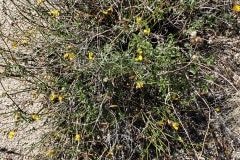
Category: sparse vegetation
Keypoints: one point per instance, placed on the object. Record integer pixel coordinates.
(122, 79)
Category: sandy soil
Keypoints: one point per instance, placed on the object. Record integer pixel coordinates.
(25, 144)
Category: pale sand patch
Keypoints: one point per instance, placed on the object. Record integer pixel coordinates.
(25, 144)
(28, 134)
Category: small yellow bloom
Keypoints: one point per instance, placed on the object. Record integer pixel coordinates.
(77, 137)
(180, 139)
(175, 125)
(53, 97)
(65, 56)
(35, 117)
(39, 2)
(139, 51)
(138, 20)
(217, 109)
(60, 97)
(58, 134)
(109, 11)
(25, 42)
(175, 98)
(139, 84)
(31, 31)
(139, 58)
(49, 152)
(16, 116)
(90, 56)
(105, 12)
(69, 56)
(54, 13)
(236, 8)
(160, 123)
(15, 45)
(11, 134)
(146, 31)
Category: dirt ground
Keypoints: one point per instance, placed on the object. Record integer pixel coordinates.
(25, 144)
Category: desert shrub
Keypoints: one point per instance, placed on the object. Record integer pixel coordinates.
(122, 77)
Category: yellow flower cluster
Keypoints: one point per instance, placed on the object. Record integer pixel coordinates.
(54, 97)
(139, 56)
(68, 55)
(54, 12)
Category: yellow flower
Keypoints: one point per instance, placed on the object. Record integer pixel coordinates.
(25, 41)
(175, 125)
(39, 2)
(105, 12)
(35, 117)
(77, 137)
(58, 134)
(236, 8)
(54, 13)
(139, 58)
(160, 123)
(53, 97)
(60, 97)
(146, 31)
(109, 11)
(217, 109)
(31, 31)
(69, 56)
(90, 56)
(11, 134)
(139, 51)
(49, 152)
(180, 139)
(15, 45)
(138, 20)
(139, 84)
(16, 116)
(65, 56)
(175, 98)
